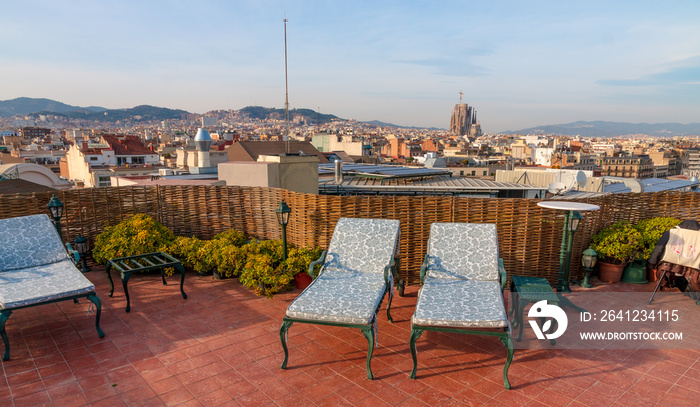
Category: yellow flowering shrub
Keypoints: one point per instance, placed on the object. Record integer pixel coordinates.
(139, 234)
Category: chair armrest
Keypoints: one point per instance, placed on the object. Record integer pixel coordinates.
(502, 275)
(75, 256)
(424, 268)
(315, 262)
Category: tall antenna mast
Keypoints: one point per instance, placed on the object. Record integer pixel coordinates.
(286, 88)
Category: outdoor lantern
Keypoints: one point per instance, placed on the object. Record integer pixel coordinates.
(282, 213)
(56, 208)
(589, 259)
(574, 220)
(81, 245)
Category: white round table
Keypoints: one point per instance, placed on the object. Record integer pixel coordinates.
(567, 240)
(568, 206)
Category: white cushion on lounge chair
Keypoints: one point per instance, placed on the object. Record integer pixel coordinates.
(340, 296)
(37, 284)
(29, 241)
(460, 304)
(351, 284)
(463, 251)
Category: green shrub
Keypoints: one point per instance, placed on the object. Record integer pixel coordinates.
(137, 235)
(617, 244)
(185, 249)
(264, 271)
(651, 230)
(232, 237)
(299, 259)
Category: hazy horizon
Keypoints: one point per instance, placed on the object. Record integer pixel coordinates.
(519, 64)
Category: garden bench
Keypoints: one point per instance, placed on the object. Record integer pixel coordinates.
(357, 272)
(462, 287)
(35, 269)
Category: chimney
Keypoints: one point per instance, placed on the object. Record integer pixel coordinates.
(338, 172)
(85, 145)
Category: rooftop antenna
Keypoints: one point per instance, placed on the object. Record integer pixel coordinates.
(286, 88)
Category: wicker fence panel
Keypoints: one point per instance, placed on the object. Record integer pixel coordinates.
(529, 236)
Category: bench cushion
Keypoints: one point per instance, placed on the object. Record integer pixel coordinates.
(340, 296)
(463, 251)
(460, 304)
(47, 282)
(29, 241)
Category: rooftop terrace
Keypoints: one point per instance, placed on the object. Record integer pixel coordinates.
(221, 346)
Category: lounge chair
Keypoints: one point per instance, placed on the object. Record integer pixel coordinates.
(357, 272)
(35, 269)
(462, 287)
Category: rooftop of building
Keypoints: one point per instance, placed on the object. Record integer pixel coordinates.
(221, 346)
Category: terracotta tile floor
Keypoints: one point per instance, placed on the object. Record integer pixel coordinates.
(221, 347)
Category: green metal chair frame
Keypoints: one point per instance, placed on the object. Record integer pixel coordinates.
(5, 315)
(502, 334)
(367, 330)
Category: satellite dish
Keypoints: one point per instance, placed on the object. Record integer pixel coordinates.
(581, 179)
(556, 188)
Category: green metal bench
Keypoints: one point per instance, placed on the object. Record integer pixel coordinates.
(143, 262)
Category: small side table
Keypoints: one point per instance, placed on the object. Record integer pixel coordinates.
(143, 262)
(527, 290)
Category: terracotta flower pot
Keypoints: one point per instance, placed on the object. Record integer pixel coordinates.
(302, 280)
(611, 273)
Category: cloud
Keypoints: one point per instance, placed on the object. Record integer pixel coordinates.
(687, 72)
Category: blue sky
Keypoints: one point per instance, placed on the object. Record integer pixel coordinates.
(519, 63)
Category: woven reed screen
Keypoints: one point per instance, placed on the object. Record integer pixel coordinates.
(529, 237)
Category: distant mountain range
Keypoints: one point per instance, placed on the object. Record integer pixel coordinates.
(31, 105)
(613, 129)
(35, 107)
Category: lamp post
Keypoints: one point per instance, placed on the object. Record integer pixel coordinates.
(81, 245)
(588, 261)
(56, 208)
(282, 213)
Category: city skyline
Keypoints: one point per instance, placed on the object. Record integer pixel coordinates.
(518, 64)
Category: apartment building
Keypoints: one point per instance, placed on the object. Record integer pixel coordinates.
(638, 167)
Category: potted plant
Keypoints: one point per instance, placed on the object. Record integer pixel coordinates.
(298, 262)
(651, 230)
(616, 245)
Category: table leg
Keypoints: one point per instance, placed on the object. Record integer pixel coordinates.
(181, 268)
(519, 314)
(125, 281)
(109, 275)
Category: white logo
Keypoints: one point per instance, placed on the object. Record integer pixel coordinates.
(543, 310)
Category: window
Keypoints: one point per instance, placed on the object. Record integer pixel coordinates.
(93, 158)
(473, 173)
(485, 172)
(461, 173)
(138, 160)
(104, 181)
